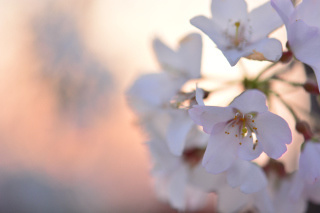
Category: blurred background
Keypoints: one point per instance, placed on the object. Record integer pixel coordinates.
(68, 139)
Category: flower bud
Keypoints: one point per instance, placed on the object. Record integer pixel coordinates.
(304, 128)
(311, 87)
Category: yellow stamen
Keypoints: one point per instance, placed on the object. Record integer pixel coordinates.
(236, 40)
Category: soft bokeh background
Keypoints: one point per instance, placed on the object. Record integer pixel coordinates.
(68, 140)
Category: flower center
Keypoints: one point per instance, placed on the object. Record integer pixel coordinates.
(237, 35)
(242, 126)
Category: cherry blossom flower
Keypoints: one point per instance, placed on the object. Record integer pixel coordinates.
(243, 129)
(303, 30)
(151, 94)
(238, 33)
(148, 92)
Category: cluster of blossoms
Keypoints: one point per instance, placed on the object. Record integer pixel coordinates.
(199, 149)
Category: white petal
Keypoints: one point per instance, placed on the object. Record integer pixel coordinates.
(266, 49)
(177, 188)
(247, 175)
(208, 116)
(167, 57)
(273, 133)
(178, 130)
(305, 42)
(210, 29)
(305, 11)
(284, 8)
(226, 11)
(250, 101)
(232, 200)
(206, 181)
(314, 192)
(263, 201)
(285, 202)
(255, 181)
(149, 89)
(309, 166)
(263, 20)
(190, 53)
(233, 55)
(237, 173)
(199, 96)
(246, 151)
(196, 198)
(220, 153)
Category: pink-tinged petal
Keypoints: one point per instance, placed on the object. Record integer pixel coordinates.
(226, 11)
(178, 130)
(210, 29)
(273, 133)
(220, 153)
(208, 116)
(190, 53)
(246, 150)
(263, 21)
(247, 175)
(284, 8)
(177, 188)
(266, 49)
(309, 166)
(167, 57)
(250, 101)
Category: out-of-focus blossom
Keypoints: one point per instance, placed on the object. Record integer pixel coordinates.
(243, 129)
(303, 30)
(152, 94)
(247, 176)
(306, 180)
(282, 200)
(185, 62)
(233, 200)
(154, 91)
(238, 33)
(181, 180)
